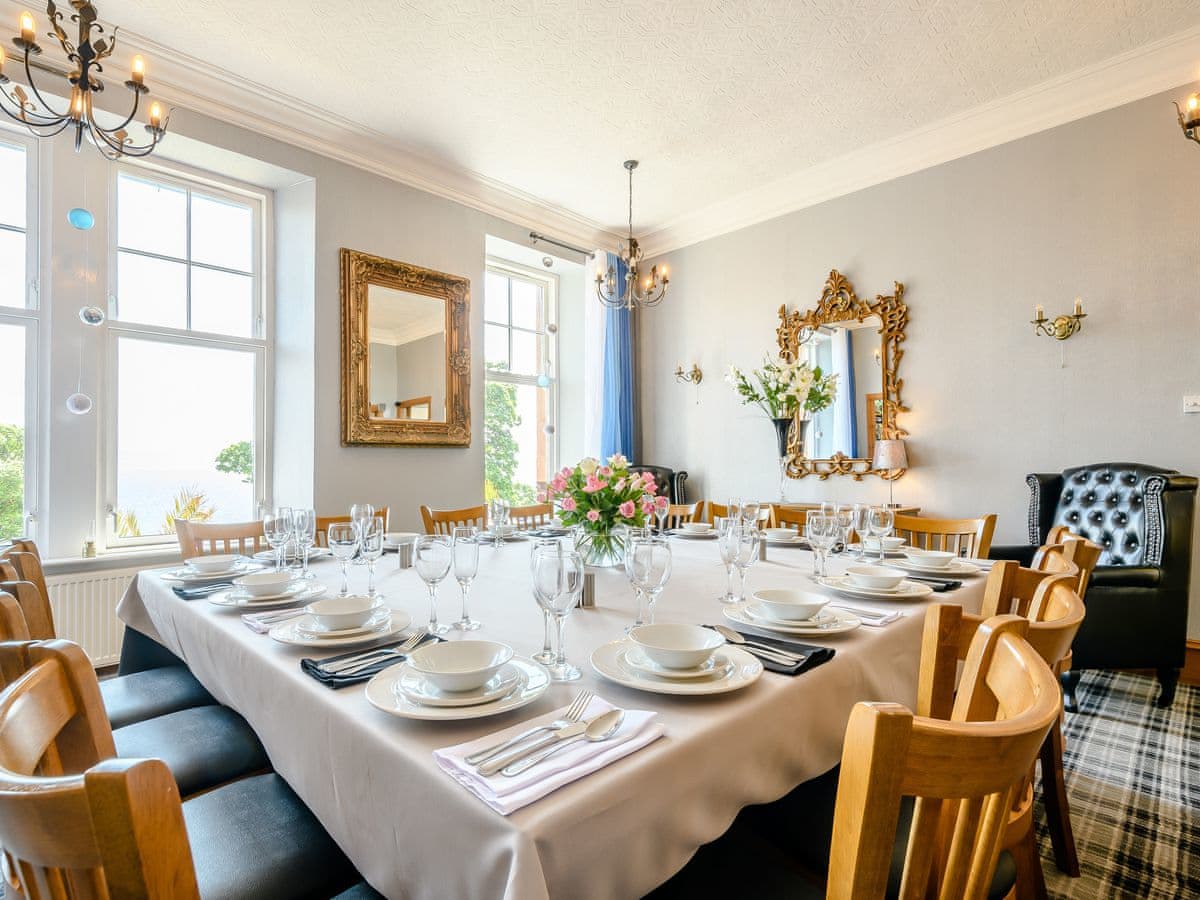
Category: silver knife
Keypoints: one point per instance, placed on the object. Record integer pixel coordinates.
(492, 766)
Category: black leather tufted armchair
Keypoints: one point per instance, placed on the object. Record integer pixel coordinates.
(1137, 602)
(670, 482)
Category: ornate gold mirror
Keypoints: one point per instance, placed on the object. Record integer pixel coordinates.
(406, 355)
(859, 340)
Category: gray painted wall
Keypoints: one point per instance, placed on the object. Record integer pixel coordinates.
(1104, 208)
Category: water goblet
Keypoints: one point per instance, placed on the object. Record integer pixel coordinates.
(648, 565)
(277, 529)
(343, 538)
(879, 523)
(822, 532)
(844, 517)
(660, 513)
(750, 510)
(370, 549)
(498, 511)
(746, 539)
(360, 513)
(859, 524)
(548, 545)
(558, 584)
(727, 544)
(733, 507)
(432, 558)
(466, 567)
(304, 528)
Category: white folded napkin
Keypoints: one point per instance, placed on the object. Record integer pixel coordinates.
(985, 564)
(885, 619)
(507, 794)
(263, 622)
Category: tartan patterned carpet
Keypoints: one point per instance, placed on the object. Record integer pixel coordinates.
(1133, 778)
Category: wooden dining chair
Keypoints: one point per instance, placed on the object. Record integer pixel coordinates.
(1079, 551)
(444, 521)
(964, 537)
(12, 621)
(77, 822)
(789, 517)
(537, 515)
(678, 513)
(323, 523)
(22, 576)
(714, 511)
(208, 538)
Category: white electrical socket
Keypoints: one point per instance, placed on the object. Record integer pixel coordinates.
(1191, 403)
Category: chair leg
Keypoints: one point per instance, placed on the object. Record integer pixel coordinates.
(1056, 803)
(1069, 681)
(1031, 882)
(1168, 678)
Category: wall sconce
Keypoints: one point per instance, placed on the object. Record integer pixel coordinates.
(1189, 117)
(692, 376)
(1060, 327)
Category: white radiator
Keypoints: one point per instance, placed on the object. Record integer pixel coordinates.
(85, 611)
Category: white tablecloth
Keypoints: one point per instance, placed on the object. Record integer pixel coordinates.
(414, 832)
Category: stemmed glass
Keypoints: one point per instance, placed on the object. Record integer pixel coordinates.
(879, 523)
(466, 567)
(343, 543)
(822, 532)
(844, 517)
(733, 507)
(370, 549)
(648, 565)
(727, 541)
(858, 522)
(660, 513)
(432, 558)
(750, 512)
(498, 514)
(558, 583)
(545, 545)
(747, 539)
(304, 529)
(277, 529)
(360, 513)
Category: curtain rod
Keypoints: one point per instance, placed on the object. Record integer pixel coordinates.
(535, 237)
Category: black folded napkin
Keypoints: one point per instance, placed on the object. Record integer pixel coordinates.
(314, 668)
(812, 657)
(204, 590)
(939, 585)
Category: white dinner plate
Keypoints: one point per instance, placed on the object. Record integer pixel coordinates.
(822, 620)
(313, 553)
(416, 687)
(383, 693)
(309, 626)
(492, 538)
(698, 535)
(288, 632)
(907, 590)
(844, 622)
(873, 552)
(235, 599)
(188, 576)
(957, 567)
(787, 542)
(635, 658)
(743, 670)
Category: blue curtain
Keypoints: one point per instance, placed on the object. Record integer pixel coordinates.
(851, 394)
(616, 420)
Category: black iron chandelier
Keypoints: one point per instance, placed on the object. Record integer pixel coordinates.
(636, 291)
(84, 64)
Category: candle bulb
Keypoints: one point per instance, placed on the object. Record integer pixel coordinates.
(139, 70)
(1078, 306)
(1039, 312)
(1, 61)
(28, 26)
(155, 116)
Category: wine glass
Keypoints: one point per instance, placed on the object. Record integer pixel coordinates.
(828, 507)
(498, 511)
(546, 545)
(747, 539)
(844, 517)
(304, 529)
(750, 512)
(466, 567)
(370, 549)
(648, 565)
(660, 513)
(859, 524)
(343, 543)
(558, 583)
(879, 523)
(733, 507)
(359, 513)
(277, 529)
(432, 557)
(727, 542)
(822, 533)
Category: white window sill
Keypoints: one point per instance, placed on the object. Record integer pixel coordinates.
(118, 559)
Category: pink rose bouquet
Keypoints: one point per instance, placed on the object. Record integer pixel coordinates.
(602, 497)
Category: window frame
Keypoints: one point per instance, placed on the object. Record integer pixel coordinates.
(260, 343)
(549, 282)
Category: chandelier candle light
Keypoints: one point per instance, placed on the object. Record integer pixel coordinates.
(1189, 117)
(636, 291)
(84, 64)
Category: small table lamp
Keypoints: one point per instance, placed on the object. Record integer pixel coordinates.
(890, 455)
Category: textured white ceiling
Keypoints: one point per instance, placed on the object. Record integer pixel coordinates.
(715, 98)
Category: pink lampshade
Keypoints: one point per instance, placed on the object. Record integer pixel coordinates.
(890, 455)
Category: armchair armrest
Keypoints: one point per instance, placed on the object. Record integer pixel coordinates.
(1126, 577)
(1022, 553)
(1044, 490)
(678, 488)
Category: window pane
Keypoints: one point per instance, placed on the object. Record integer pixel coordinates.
(151, 217)
(495, 298)
(495, 346)
(516, 452)
(12, 431)
(526, 359)
(12, 185)
(182, 451)
(12, 268)
(526, 304)
(222, 302)
(151, 291)
(222, 233)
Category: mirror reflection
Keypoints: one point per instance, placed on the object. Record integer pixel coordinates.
(406, 355)
(851, 425)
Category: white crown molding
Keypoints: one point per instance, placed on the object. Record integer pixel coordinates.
(1142, 72)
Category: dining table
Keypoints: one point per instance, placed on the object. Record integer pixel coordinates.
(414, 832)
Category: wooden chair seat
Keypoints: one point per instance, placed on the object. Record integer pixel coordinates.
(444, 521)
(965, 537)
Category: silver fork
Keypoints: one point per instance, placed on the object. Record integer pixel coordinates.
(570, 717)
(370, 657)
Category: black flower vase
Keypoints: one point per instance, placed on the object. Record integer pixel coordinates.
(783, 429)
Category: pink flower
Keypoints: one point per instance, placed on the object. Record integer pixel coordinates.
(648, 479)
(594, 484)
(661, 502)
(541, 497)
(626, 509)
(606, 471)
(558, 484)
(593, 516)
(648, 507)
(569, 504)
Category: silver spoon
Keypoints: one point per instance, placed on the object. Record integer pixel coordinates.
(600, 728)
(736, 637)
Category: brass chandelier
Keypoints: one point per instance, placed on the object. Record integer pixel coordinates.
(84, 63)
(1189, 117)
(636, 291)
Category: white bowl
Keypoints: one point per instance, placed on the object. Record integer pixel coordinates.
(677, 646)
(790, 605)
(696, 527)
(889, 543)
(781, 534)
(262, 584)
(460, 665)
(337, 613)
(879, 578)
(218, 562)
(504, 531)
(939, 559)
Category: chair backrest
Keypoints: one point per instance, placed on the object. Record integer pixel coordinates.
(966, 537)
(1073, 549)
(536, 515)
(22, 576)
(962, 773)
(12, 620)
(443, 521)
(74, 821)
(323, 523)
(714, 511)
(789, 517)
(668, 483)
(678, 513)
(208, 538)
(1011, 588)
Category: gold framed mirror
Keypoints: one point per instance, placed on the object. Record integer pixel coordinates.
(859, 340)
(406, 354)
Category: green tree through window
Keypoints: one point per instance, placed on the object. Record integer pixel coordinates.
(12, 481)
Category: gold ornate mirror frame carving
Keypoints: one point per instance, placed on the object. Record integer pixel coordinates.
(839, 303)
(358, 272)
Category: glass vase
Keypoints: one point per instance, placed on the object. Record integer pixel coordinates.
(601, 547)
